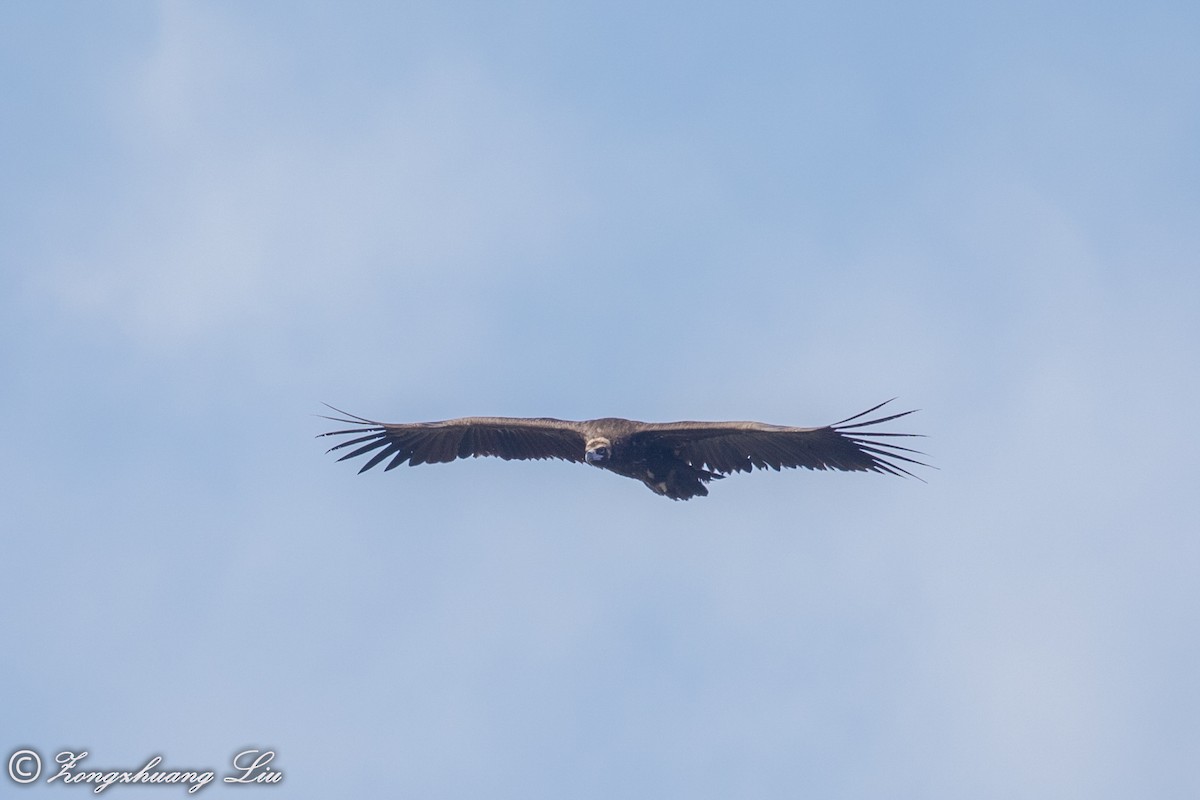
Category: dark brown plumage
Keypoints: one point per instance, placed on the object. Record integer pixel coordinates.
(674, 459)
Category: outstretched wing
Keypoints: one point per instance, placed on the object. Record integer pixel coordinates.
(741, 446)
(438, 442)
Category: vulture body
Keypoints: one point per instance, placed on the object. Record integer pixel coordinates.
(674, 459)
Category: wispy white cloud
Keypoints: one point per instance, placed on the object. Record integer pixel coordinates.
(235, 213)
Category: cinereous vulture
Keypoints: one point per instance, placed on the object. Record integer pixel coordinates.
(674, 459)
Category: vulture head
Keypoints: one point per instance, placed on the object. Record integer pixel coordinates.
(599, 450)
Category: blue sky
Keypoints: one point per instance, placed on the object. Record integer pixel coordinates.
(218, 216)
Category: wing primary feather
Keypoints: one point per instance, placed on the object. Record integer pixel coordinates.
(402, 454)
(353, 442)
(866, 448)
(420, 449)
(879, 433)
(879, 421)
(888, 445)
(380, 456)
(879, 461)
(856, 416)
(347, 417)
(366, 448)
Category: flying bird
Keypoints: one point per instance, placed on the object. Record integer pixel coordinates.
(674, 459)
